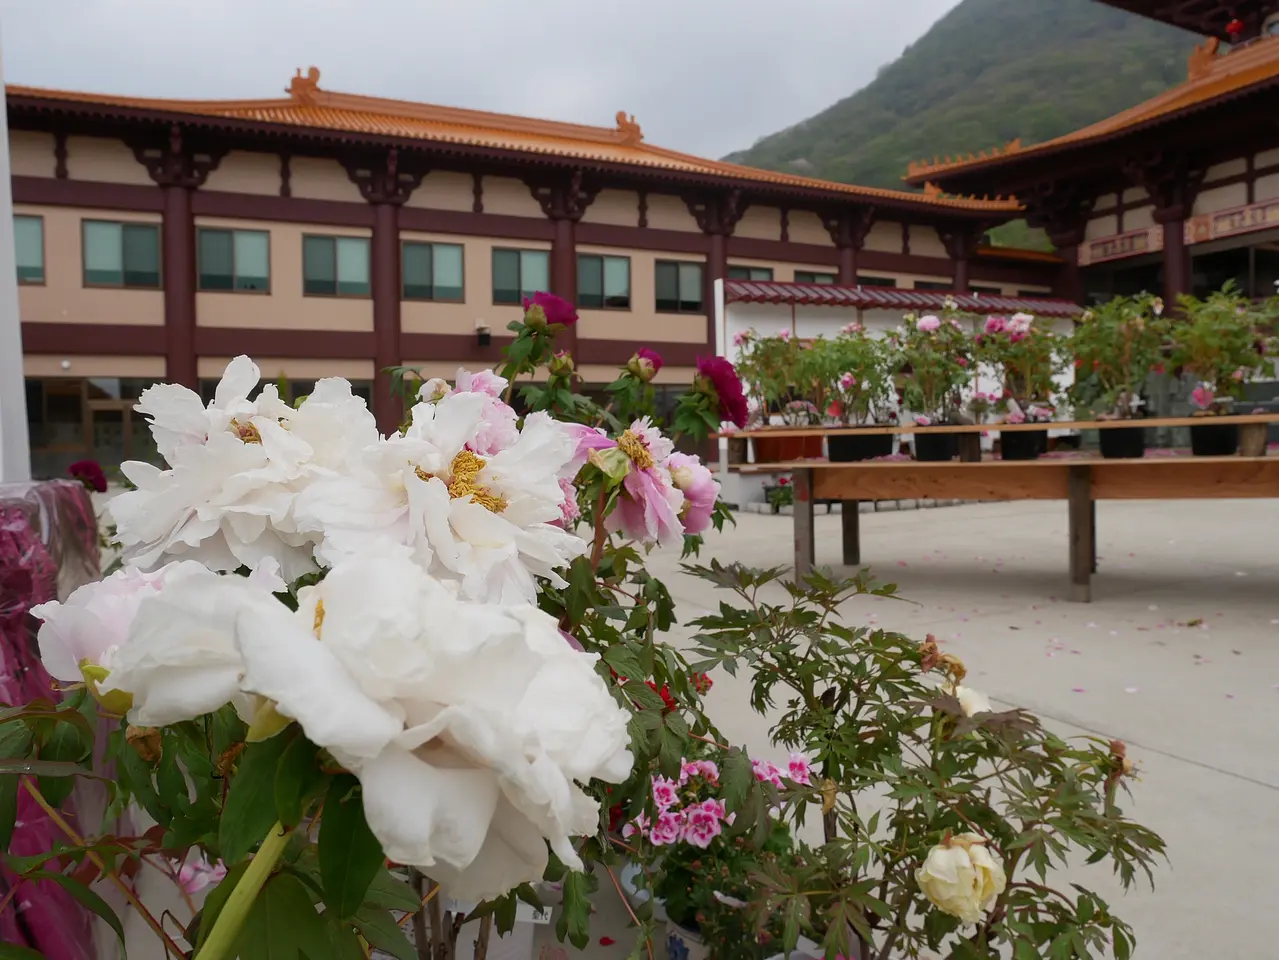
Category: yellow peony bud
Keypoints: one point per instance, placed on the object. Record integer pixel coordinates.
(961, 877)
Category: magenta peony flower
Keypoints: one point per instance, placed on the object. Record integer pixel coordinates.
(995, 324)
(929, 323)
(89, 472)
(645, 364)
(699, 487)
(553, 309)
(847, 381)
(1202, 396)
(718, 374)
(783, 334)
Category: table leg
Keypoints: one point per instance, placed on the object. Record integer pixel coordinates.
(805, 553)
(1092, 519)
(1082, 551)
(851, 522)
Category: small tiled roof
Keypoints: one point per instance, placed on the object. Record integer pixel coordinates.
(1213, 78)
(313, 109)
(890, 298)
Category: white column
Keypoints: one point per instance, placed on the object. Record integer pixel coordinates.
(15, 451)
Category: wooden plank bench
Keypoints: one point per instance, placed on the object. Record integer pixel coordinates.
(1081, 481)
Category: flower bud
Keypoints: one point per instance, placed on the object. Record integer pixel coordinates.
(561, 364)
(645, 364)
(961, 877)
(534, 316)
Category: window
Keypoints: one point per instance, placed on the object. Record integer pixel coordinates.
(604, 282)
(1031, 293)
(121, 254)
(432, 271)
(520, 273)
(335, 266)
(934, 285)
(985, 291)
(750, 273)
(28, 243)
(679, 287)
(235, 260)
(807, 276)
(877, 281)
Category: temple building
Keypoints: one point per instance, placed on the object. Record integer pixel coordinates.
(1178, 194)
(324, 234)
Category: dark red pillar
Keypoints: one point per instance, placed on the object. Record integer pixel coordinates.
(847, 266)
(961, 273)
(564, 274)
(716, 269)
(178, 234)
(386, 313)
(1176, 255)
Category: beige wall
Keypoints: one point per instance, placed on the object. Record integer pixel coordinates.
(1267, 187)
(783, 272)
(1106, 201)
(1222, 198)
(924, 242)
(642, 322)
(669, 213)
(884, 236)
(90, 365)
(109, 161)
(761, 223)
(1267, 158)
(1139, 219)
(1101, 227)
(315, 179)
(211, 368)
(418, 316)
(445, 190)
(244, 172)
(64, 298)
(618, 207)
(31, 153)
(506, 195)
(1231, 168)
(804, 226)
(285, 308)
(1135, 195)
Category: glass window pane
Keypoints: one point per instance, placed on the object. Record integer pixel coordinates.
(761, 273)
(690, 287)
(252, 260)
(217, 262)
(28, 239)
(667, 283)
(535, 272)
(353, 266)
(617, 282)
(417, 271)
(877, 281)
(590, 282)
(739, 273)
(448, 271)
(141, 255)
(103, 253)
(506, 276)
(319, 266)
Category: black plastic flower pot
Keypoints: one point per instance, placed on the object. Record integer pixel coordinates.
(1023, 444)
(1214, 440)
(936, 447)
(851, 447)
(1123, 443)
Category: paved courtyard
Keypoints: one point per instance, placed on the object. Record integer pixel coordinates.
(1177, 655)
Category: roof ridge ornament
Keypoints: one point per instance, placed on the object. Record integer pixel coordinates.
(1202, 59)
(629, 129)
(303, 89)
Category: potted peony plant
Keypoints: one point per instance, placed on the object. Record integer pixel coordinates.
(932, 358)
(773, 369)
(1023, 355)
(852, 370)
(1116, 347)
(1217, 344)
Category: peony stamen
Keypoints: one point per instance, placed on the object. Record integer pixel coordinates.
(247, 432)
(631, 444)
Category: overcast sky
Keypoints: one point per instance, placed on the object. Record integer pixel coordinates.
(704, 76)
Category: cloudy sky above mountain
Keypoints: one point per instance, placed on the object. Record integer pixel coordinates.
(704, 76)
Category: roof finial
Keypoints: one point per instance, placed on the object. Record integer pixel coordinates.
(629, 129)
(304, 89)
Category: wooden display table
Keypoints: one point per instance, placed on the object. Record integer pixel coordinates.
(1055, 425)
(1081, 481)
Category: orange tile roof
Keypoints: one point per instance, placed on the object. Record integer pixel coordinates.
(1210, 76)
(308, 106)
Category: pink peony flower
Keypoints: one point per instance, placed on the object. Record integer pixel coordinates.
(498, 421)
(784, 334)
(995, 324)
(923, 421)
(767, 772)
(572, 641)
(741, 337)
(1019, 324)
(552, 309)
(196, 876)
(667, 829)
(929, 323)
(699, 487)
(637, 827)
(1015, 416)
(852, 328)
(650, 507)
(799, 769)
(962, 361)
(569, 510)
(847, 381)
(486, 382)
(1239, 374)
(587, 439)
(718, 374)
(1202, 396)
(665, 792)
(703, 822)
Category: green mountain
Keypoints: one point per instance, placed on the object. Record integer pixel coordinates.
(987, 72)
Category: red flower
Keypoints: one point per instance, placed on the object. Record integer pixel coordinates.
(652, 356)
(784, 482)
(1159, 368)
(702, 683)
(554, 309)
(1079, 361)
(1235, 28)
(722, 378)
(616, 817)
(607, 941)
(89, 472)
(665, 694)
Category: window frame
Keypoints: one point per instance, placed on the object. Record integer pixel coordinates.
(834, 278)
(518, 251)
(44, 253)
(333, 238)
(432, 244)
(199, 273)
(701, 266)
(772, 274)
(604, 304)
(985, 291)
(122, 285)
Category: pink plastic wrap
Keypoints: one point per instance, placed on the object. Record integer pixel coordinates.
(48, 547)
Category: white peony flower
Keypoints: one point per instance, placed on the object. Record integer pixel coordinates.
(961, 877)
(971, 701)
(486, 521)
(235, 468)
